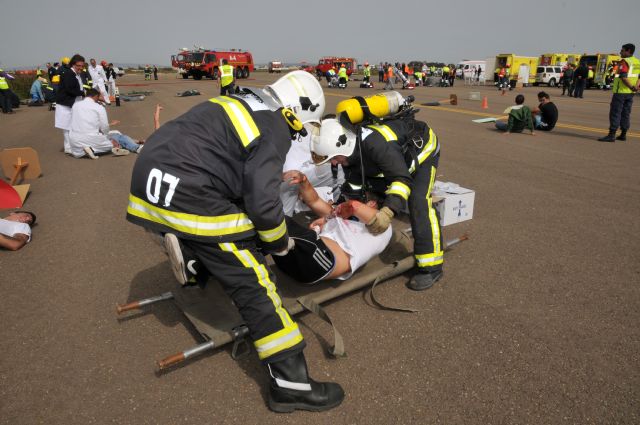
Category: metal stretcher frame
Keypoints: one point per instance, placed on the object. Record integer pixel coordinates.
(217, 320)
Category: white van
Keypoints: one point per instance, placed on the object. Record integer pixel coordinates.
(468, 69)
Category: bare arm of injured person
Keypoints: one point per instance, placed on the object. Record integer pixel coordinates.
(349, 241)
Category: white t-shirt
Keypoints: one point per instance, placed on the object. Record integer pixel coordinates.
(11, 228)
(354, 238)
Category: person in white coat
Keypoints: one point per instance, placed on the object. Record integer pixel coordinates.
(99, 78)
(90, 133)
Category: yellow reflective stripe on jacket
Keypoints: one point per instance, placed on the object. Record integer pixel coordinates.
(386, 132)
(3, 83)
(273, 234)
(400, 189)
(290, 334)
(240, 118)
(427, 150)
(192, 224)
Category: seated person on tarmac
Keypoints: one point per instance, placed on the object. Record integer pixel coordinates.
(15, 229)
(333, 247)
(90, 133)
(519, 118)
(546, 114)
(36, 92)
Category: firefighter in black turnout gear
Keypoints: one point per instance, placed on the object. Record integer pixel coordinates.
(211, 178)
(395, 159)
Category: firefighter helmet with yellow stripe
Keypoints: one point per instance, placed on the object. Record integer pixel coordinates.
(301, 93)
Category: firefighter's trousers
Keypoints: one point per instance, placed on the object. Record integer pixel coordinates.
(248, 281)
(425, 223)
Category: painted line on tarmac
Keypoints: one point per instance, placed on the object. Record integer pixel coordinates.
(561, 125)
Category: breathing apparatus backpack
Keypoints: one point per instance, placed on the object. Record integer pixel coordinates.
(359, 112)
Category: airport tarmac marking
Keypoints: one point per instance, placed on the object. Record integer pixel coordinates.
(561, 125)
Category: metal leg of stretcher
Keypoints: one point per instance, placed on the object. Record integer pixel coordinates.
(121, 308)
(240, 343)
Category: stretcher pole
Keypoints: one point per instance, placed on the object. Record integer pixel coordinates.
(182, 356)
(121, 308)
(237, 334)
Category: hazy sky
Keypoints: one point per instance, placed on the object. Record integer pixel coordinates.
(146, 31)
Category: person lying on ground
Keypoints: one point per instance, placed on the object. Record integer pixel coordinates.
(15, 229)
(519, 118)
(90, 134)
(333, 247)
(546, 114)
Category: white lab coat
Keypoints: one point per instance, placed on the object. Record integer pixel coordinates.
(89, 127)
(98, 77)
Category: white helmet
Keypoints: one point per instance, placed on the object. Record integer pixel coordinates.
(301, 92)
(333, 140)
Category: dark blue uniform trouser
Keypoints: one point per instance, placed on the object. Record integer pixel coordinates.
(579, 90)
(620, 111)
(5, 100)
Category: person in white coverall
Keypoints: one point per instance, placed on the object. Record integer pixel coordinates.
(90, 133)
(98, 77)
(320, 176)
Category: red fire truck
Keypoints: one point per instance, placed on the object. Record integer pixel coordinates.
(325, 63)
(202, 62)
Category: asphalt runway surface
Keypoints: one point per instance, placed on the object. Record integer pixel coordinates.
(535, 321)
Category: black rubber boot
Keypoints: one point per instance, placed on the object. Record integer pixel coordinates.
(422, 281)
(611, 137)
(291, 388)
(623, 136)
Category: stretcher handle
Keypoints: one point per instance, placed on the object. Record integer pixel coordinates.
(121, 308)
(170, 361)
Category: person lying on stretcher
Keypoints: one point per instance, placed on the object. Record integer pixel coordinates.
(336, 244)
(333, 247)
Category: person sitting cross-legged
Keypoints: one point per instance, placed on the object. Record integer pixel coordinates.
(519, 118)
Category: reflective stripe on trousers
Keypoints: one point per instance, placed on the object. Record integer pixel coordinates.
(288, 335)
(425, 225)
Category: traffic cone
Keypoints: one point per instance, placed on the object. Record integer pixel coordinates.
(485, 103)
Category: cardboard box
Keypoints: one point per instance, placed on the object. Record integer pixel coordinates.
(453, 202)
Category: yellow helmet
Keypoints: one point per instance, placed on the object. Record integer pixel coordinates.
(65, 60)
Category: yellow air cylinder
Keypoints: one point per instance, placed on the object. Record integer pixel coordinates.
(380, 105)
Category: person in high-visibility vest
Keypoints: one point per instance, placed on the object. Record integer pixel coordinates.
(342, 77)
(418, 77)
(366, 72)
(6, 94)
(590, 75)
(389, 84)
(225, 78)
(625, 86)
